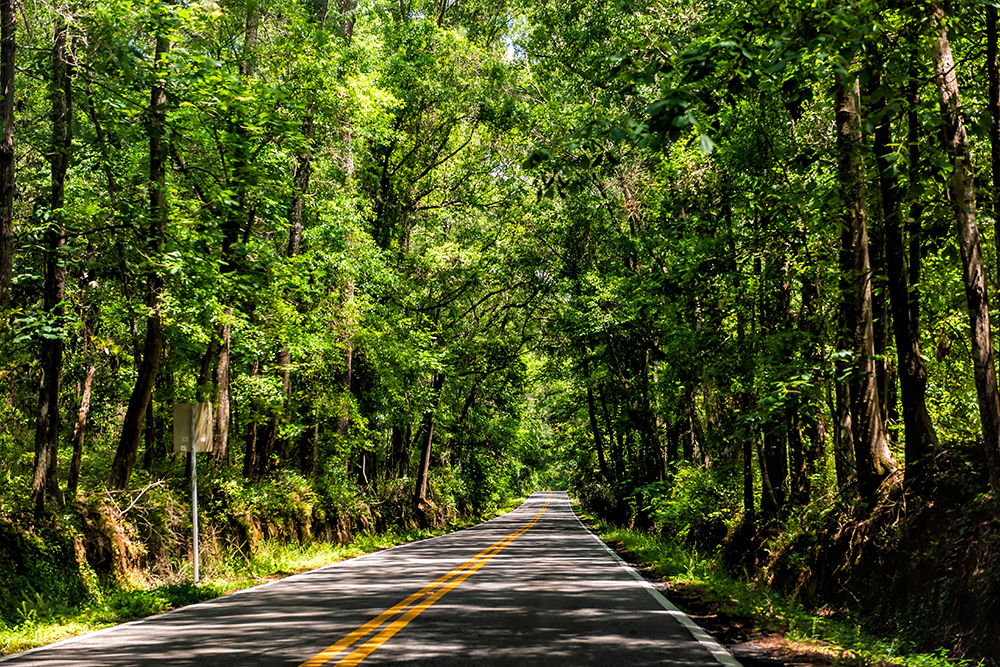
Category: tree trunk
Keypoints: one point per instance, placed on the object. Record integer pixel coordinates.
(421, 504)
(79, 431)
(344, 381)
(284, 362)
(234, 223)
(768, 499)
(266, 446)
(399, 442)
(303, 173)
(674, 440)
(843, 440)
(871, 450)
(913, 222)
(367, 469)
(814, 424)
(775, 314)
(617, 465)
(307, 451)
(128, 442)
(746, 361)
(774, 470)
(656, 467)
(344, 425)
(8, 24)
(102, 140)
(301, 177)
(423, 470)
(920, 438)
(595, 429)
(689, 441)
(993, 105)
(207, 370)
(880, 331)
(749, 510)
(253, 459)
(223, 398)
(963, 202)
(148, 436)
(799, 476)
(47, 425)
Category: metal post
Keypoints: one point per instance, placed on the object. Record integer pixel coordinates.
(186, 439)
(194, 506)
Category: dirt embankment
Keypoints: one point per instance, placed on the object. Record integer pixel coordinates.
(921, 566)
(751, 645)
(742, 636)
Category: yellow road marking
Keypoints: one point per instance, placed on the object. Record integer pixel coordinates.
(431, 594)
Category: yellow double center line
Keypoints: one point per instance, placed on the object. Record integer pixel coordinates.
(414, 605)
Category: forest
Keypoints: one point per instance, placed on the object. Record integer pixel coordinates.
(721, 269)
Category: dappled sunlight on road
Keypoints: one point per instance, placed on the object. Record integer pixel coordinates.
(549, 595)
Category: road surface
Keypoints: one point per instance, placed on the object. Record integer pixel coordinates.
(532, 587)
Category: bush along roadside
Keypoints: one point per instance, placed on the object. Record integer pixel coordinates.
(777, 590)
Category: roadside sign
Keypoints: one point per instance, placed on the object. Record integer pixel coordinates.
(193, 434)
(193, 427)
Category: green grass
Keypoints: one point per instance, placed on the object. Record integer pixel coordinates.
(41, 623)
(768, 611)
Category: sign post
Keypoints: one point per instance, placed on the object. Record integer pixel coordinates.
(193, 433)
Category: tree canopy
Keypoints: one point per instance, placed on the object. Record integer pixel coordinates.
(423, 257)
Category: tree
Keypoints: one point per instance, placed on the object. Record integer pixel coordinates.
(963, 202)
(871, 450)
(8, 38)
(138, 404)
(45, 481)
(921, 438)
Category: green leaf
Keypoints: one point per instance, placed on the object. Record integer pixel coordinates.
(706, 144)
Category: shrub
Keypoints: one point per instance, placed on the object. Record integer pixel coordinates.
(696, 505)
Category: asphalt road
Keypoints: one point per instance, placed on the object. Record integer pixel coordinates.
(532, 587)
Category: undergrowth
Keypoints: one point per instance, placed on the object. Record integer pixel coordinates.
(680, 563)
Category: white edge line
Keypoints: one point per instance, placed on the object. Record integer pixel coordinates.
(721, 655)
(205, 603)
